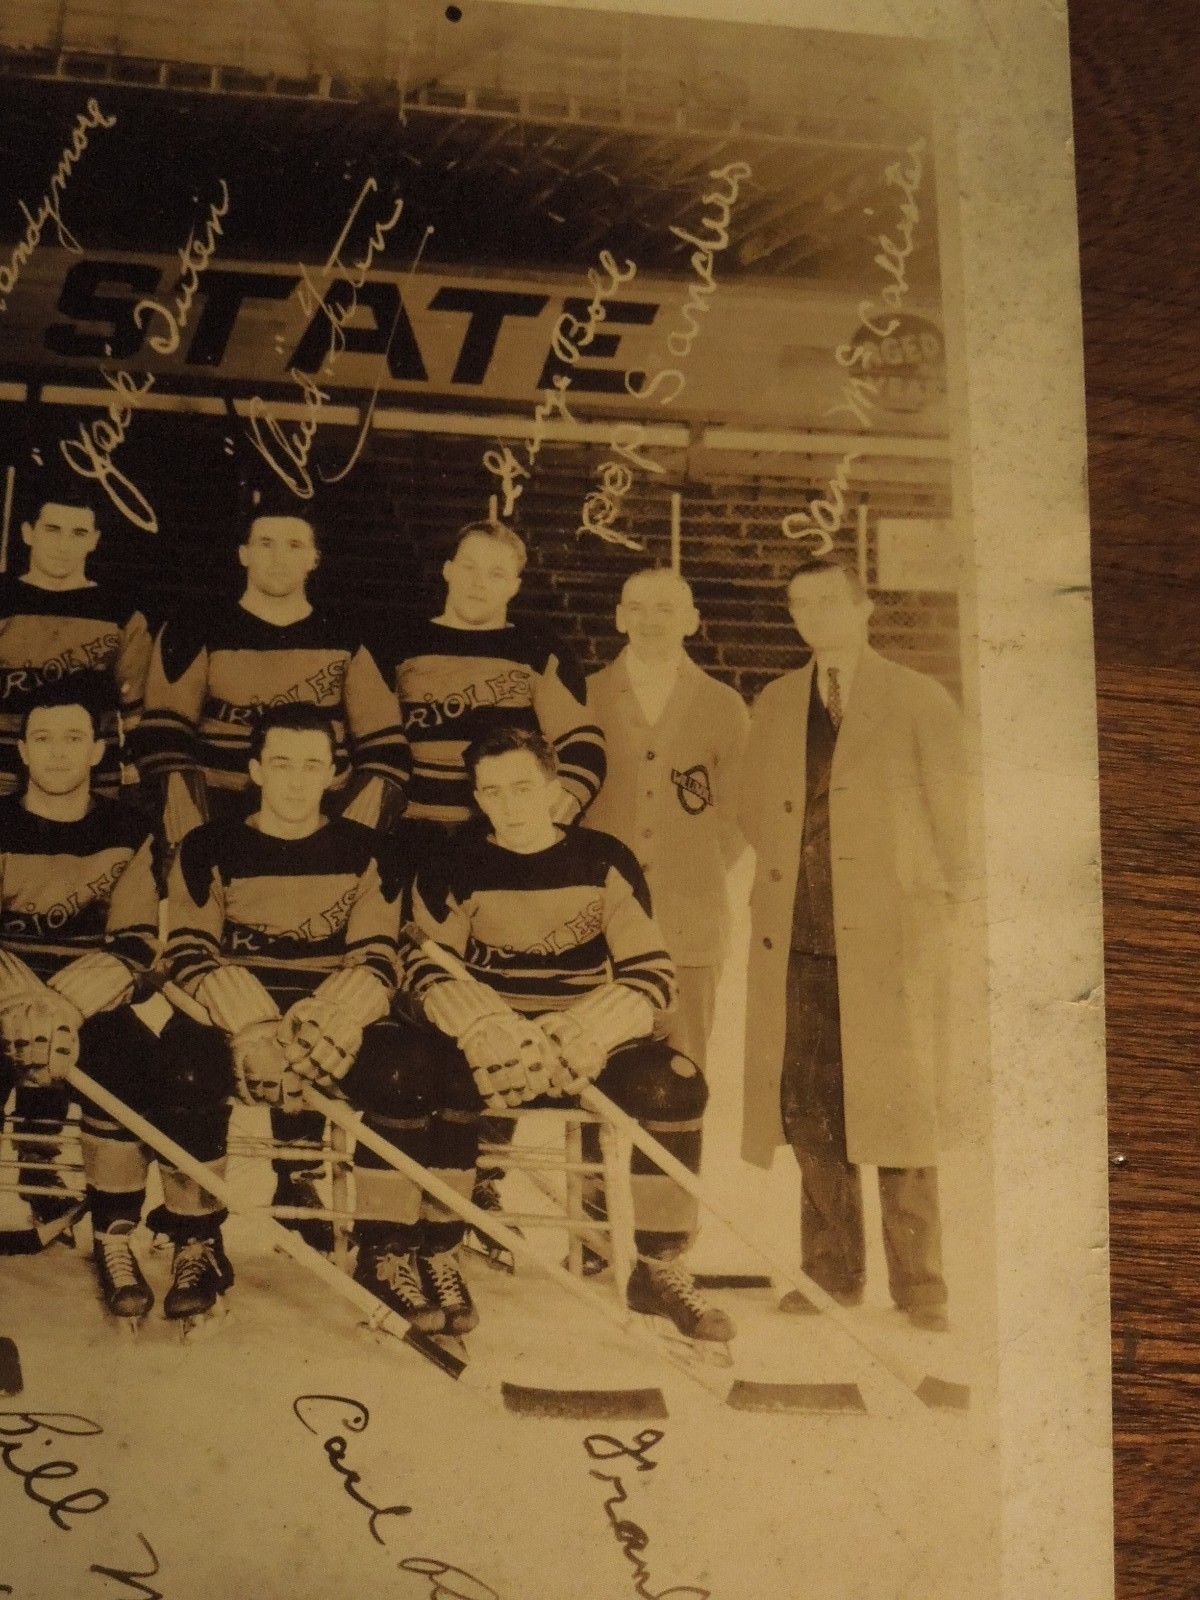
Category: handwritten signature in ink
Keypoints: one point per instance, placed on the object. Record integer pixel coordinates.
(50, 206)
(21, 1432)
(445, 1581)
(90, 454)
(631, 1536)
(860, 391)
(331, 292)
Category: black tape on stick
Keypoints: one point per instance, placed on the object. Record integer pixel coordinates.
(11, 1381)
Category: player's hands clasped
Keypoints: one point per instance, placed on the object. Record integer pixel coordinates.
(509, 1059)
(39, 1033)
(320, 1040)
(262, 1070)
(578, 1057)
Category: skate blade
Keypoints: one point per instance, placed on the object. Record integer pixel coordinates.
(493, 1255)
(203, 1324)
(129, 1327)
(711, 1353)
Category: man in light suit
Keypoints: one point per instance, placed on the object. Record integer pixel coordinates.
(853, 802)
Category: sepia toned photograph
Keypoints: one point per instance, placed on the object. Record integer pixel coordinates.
(514, 808)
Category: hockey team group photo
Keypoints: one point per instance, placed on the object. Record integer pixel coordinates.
(489, 816)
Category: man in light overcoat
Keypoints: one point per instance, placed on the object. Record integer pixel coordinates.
(852, 799)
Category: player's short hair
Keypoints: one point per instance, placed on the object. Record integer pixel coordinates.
(86, 689)
(48, 489)
(501, 533)
(297, 716)
(830, 563)
(659, 572)
(503, 741)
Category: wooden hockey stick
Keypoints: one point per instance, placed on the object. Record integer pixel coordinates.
(929, 1390)
(378, 1315)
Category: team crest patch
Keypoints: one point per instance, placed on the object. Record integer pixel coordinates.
(693, 789)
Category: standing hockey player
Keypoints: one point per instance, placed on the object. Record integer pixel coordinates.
(57, 622)
(472, 670)
(675, 738)
(569, 980)
(78, 928)
(283, 928)
(210, 678)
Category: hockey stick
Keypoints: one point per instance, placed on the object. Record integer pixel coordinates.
(929, 1390)
(342, 1116)
(378, 1315)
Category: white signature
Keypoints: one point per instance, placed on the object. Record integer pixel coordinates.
(602, 507)
(286, 451)
(50, 207)
(860, 391)
(570, 336)
(90, 453)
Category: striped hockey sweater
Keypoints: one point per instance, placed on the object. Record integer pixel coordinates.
(49, 634)
(541, 929)
(290, 910)
(67, 888)
(209, 676)
(455, 684)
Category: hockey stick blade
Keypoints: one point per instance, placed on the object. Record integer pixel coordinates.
(827, 1397)
(38, 1236)
(585, 1405)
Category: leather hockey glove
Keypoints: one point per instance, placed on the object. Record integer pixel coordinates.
(508, 1058)
(579, 1056)
(39, 1033)
(261, 1069)
(320, 1039)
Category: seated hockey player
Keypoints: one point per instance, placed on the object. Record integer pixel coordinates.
(569, 984)
(78, 929)
(283, 928)
(57, 621)
(213, 671)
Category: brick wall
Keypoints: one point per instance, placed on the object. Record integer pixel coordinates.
(386, 526)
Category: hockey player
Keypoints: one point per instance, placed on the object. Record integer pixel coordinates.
(569, 982)
(283, 928)
(57, 622)
(78, 929)
(210, 677)
(471, 670)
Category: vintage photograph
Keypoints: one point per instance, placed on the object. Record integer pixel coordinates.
(494, 889)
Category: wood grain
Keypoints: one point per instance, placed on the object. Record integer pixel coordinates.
(1137, 111)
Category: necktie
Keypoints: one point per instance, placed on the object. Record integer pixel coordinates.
(833, 697)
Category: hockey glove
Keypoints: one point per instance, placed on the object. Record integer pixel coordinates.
(508, 1059)
(319, 1039)
(262, 1071)
(579, 1056)
(39, 1034)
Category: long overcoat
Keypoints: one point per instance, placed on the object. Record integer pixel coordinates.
(896, 823)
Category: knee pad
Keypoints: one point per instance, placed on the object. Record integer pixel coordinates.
(388, 1074)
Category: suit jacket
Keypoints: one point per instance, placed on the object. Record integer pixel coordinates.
(899, 869)
(670, 794)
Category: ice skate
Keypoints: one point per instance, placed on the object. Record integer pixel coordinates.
(667, 1289)
(486, 1195)
(444, 1283)
(126, 1294)
(201, 1274)
(393, 1276)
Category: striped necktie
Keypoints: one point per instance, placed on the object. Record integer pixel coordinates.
(833, 697)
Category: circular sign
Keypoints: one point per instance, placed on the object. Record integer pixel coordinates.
(910, 363)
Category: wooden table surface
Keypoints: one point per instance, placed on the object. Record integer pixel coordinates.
(1137, 126)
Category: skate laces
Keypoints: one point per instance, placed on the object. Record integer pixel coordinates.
(678, 1281)
(399, 1272)
(446, 1279)
(191, 1261)
(119, 1261)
